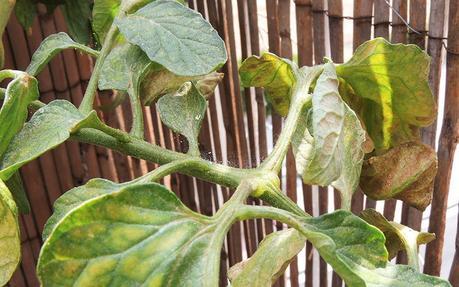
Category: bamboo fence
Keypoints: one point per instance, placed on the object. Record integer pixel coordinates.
(235, 130)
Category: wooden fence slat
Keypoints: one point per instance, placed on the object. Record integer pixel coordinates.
(411, 216)
(319, 17)
(335, 20)
(454, 272)
(260, 107)
(449, 136)
(363, 13)
(250, 230)
(304, 24)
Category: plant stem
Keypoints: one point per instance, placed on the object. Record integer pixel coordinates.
(213, 172)
(87, 103)
(301, 99)
(137, 129)
(167, 169)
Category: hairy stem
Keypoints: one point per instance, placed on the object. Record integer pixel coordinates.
(213, 172)
(137, 129)
(167, 169)
(87, 103)
(301, 99)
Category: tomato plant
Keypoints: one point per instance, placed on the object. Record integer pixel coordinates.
(350, 125)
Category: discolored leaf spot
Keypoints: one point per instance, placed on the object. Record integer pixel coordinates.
(161, 82)
(183, 112)
(274, 74)
(184, 44)
(392, 82)
(50, 126)
(269, 261)
(10, 243)
(331, 152)
(405, 172)
(137, 235)
(51, 46)
(398, 236)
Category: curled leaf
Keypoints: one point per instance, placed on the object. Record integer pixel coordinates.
(127, 63)
(183, 112)
(405, 172)
(52, 45)
(274, 74)
(328, 150)
(269, 261)
(161, 82)
(50, 126)
(398, 236)
(391, 81)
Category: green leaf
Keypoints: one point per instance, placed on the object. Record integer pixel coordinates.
(5, 10)
(10, 241)
(398, 236)
(183, 112)
(122, 65)
(50, 47)
(185, 43)
(103, 14)
(333, 153)
(19, 94)
(49, 127)
(269, 261)
(392, 81)
(77, 17)
(274, 74)
(26, 11)
(76, 197)
(354, 248)
(16, 187)
(138, 235)
(405, 172)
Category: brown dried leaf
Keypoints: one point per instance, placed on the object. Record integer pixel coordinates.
(405, 172)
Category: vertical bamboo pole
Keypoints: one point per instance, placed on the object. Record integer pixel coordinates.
(363, 11)
(449, 136)
(319, 16)
(381, 29)
(454, 272)
(304, 23)
(335, 20)
(411, 216)
(260, 105)
(398, 35)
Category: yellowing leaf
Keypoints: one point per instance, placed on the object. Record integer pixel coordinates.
(10, 243)
(269, 261)
(392, 81)
(405, 172)
(272, 73)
